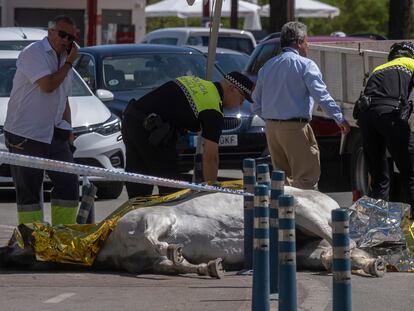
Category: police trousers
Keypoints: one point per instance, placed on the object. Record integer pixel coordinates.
(382, 132)
(144, 158)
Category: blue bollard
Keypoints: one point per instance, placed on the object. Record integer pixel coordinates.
(249, 182)
(263, 175)
(287, 254)
(260, 294)
(278, 182)
(341, 262)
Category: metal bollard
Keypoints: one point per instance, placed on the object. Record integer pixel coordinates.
(287, 254)
(260, 294)
(263, 175)
(278, 182)
(249, 182)
(341, 263)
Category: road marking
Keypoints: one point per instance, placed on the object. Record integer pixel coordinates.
(7, 227)
(59, 298)
(317, 295)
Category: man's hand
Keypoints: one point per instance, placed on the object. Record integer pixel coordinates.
(345, 128)
(73, 52)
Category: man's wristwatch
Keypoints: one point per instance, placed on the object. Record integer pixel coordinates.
(69, 63)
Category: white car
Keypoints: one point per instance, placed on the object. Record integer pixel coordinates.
(17, 38)
(233, 39)
(98, 138)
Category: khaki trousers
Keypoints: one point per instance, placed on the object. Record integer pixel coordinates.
(294, 150)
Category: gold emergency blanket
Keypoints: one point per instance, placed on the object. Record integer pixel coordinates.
(80, 244)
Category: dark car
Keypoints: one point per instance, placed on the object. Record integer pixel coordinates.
(227, 60)
(117, 73)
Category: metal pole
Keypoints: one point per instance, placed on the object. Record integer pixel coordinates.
(341, 263)
(263, 175)
(260, 294)
(249, 182)
(287, 254)
(278, 182)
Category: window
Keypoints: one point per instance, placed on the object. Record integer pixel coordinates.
(168, 41)
(85, 66)
(261, 55)
(15, 45)
(7, 71)
(147, 71)
(241, 44)
(231, 62)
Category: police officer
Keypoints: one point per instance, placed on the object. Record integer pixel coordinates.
(384, 124)
(188, 103)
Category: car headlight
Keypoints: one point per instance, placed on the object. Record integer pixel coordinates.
(257, 121)
(111, 126)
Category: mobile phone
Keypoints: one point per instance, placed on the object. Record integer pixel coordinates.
(69, 49)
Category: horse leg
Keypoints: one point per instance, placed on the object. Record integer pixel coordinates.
(360, 260)
(213, 268)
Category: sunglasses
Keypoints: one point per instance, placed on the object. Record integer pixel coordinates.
(63, 34)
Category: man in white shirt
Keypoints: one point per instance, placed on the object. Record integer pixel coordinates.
(38, 122)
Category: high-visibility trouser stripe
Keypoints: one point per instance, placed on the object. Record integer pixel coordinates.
(29, 217)
(64, 211)
(28, 213)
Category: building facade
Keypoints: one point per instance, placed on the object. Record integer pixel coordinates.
(117, 21)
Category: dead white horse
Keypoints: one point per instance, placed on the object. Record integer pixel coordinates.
(200, 234)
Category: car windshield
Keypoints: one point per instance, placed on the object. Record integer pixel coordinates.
(261, 55)
(8, 69)
(133, 72)
(240, 44)
(15, 45)
(231, 62)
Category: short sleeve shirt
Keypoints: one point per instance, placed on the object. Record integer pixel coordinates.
(31, 112)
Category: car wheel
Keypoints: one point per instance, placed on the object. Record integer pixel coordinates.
(109, 190)
(359, 169)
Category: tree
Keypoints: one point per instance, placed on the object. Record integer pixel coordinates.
(368, 16)
(400, 13)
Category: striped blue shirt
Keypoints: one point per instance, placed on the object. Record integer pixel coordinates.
(287, 87)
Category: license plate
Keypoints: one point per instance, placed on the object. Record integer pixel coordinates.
(228, 140)
(225, 140)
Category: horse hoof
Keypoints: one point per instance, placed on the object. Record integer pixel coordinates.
(175, 253)
(378, 268)
(326, 259)
(215, 268)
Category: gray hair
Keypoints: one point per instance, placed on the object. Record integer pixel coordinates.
(61, 18)
(292, 32)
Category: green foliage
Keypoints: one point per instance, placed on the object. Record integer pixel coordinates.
(356, 16)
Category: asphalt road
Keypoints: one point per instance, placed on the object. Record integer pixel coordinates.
(117, 290)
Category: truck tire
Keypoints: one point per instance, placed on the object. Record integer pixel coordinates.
(359, 169)
(108, 190)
